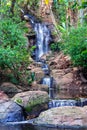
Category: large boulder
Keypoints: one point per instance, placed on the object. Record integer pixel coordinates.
(10, 112)
(32, 101)
(63, 116)
(63, 78)
(9, 88)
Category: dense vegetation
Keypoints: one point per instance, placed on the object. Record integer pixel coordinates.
(14, 55)
(73, 30)
(75, 45)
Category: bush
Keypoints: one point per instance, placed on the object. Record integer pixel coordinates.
(75, 44)
(54, 47)
(13, 51)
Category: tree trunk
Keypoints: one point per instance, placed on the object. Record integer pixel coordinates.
(45, 10)
(12, 6)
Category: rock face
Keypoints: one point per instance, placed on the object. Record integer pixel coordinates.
(10, 112)
(40, 87)
(30, 99)
(67, 116)
(63, 80)
(60, 70)
(9, 88)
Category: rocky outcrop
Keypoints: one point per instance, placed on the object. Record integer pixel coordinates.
(9, 88)
(64, 116)
(59, 61)
(32, 101)
(60, 70)
(63, 80)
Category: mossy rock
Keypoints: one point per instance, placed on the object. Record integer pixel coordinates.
(31, 99)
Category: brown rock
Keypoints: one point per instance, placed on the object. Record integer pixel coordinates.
(39, 74)
(60, 61)
(9, 88)
(68, 115)
(63, 79)
(41, 87)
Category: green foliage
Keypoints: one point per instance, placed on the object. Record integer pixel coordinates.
(13, 52)
(12, 79)
(59, 9)
(32, 49)
(31, 77)
(19, 101)
(54, 47)
(75, 44)
(13, 49)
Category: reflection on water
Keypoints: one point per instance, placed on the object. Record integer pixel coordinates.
(31, 127)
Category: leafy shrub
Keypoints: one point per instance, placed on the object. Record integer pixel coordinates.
(54, 47)
(13, 51)
(75, 44)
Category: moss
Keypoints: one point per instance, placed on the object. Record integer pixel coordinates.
(19, 101)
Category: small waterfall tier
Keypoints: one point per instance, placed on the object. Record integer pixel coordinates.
(48, 81)
(43, 38)
(46, 69)
(58, 103)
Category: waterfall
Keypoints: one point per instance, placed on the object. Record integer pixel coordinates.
(59, 103)
(48, 81)
(43, 36)
(42, 39)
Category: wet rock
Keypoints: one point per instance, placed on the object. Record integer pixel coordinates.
(36, 86)
(64, 116)
(63, 80)
(66, 79)
(9, 88)
(10, 112)
(32, 101)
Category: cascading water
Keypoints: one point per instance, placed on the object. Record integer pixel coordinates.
(48, 81)
(42, 38)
